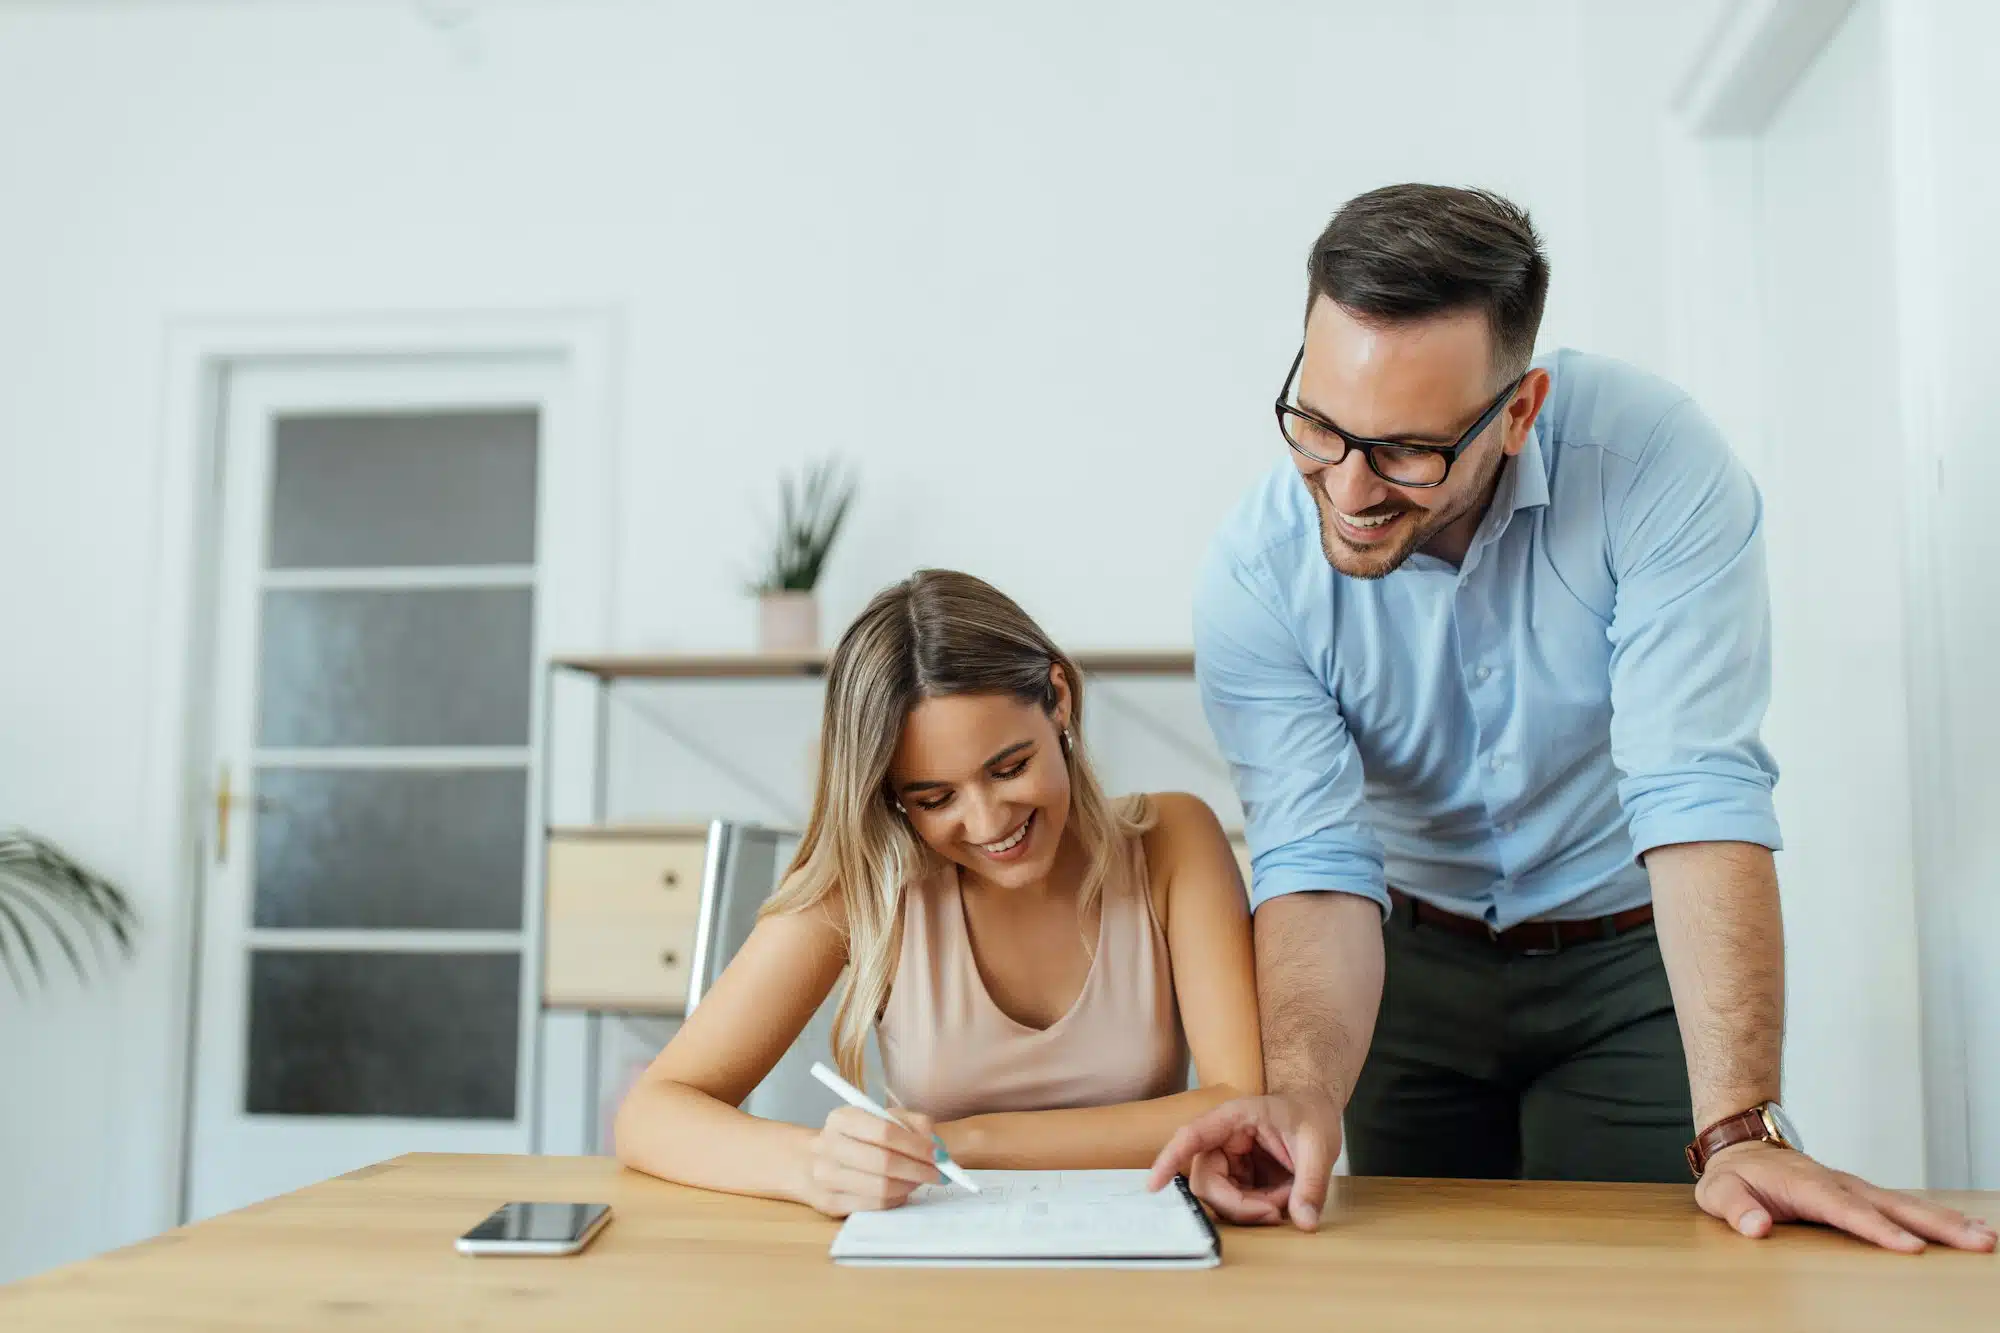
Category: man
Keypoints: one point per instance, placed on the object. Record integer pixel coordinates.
(1489, 663)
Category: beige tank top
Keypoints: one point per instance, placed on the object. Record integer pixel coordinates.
(949, 1051)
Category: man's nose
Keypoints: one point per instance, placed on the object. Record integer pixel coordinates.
(1351, 485)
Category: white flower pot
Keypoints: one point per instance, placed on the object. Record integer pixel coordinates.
(787, 622)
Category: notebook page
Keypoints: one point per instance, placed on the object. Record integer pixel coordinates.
(1031, 1215)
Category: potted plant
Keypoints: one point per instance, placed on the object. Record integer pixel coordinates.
(45, 895)
(811, 511)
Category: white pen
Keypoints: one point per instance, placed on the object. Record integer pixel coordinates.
(854, 1097)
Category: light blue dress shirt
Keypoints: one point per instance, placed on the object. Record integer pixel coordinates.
(1505, 739)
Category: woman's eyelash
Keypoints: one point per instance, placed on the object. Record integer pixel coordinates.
(999, 775)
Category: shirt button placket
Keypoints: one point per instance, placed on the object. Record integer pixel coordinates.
(1477, 644)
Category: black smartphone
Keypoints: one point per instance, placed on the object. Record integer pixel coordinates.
(536, 1228)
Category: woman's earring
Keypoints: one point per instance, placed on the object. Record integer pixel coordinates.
(1068, 743)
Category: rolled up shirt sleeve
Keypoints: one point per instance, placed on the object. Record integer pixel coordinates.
(1691, 644)
(1296, 770)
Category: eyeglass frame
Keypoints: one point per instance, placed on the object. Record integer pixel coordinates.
(1368, 446)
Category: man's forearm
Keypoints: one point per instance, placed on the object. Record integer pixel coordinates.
(1319, 985)
(1716, 905)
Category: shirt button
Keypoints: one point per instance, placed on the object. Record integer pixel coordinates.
(1484, 672)
(1499, 762)
(1506, 826)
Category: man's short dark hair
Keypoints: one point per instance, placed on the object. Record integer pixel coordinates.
(1408, 252)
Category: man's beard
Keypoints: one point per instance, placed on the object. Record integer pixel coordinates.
(1375, 562)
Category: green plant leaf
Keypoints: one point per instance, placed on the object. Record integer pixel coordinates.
(37, 882)
(8, 914)
(812, 507)
(22, 898)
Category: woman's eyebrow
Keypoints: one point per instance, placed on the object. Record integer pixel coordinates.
(926, 784)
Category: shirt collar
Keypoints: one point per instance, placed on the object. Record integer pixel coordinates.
(1524, 484)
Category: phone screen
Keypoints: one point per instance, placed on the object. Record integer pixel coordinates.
(539, 1222)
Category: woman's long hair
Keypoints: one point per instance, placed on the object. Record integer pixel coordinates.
(937, 633)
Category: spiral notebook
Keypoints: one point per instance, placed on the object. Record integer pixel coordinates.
(1037, 1219)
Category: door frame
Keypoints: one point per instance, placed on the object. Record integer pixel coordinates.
(200, 353)
(1738, 78)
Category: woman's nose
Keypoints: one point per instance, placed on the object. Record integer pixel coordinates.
(986, 819)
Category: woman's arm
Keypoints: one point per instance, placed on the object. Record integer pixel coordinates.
(680, 1121)
(1199, 894)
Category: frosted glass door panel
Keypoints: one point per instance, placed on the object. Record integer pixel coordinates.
(388, 849)
(408, 1035)
(375, 490)
(431, 667)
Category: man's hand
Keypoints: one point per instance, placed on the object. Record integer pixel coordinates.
(1257, 1160)
(1751, 1186)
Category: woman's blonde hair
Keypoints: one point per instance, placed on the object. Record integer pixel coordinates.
(937, 633)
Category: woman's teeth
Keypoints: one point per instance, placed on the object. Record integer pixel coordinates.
(1011, 841)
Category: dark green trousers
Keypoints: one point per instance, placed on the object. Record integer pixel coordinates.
(1488, 1064)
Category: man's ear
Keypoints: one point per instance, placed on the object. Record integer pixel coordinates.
(1527, 405)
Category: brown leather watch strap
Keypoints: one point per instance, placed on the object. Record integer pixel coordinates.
(1743, 1127)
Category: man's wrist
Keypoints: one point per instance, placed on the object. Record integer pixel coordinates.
(1764, 1125)
(1713, 1109)
(1320, 1089)
(1746, 1148)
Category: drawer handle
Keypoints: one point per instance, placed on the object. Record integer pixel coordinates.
(670, 958)
(672, 879)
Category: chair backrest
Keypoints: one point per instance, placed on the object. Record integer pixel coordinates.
(743, 865)
(738, 874)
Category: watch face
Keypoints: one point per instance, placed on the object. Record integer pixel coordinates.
(1783, 1124)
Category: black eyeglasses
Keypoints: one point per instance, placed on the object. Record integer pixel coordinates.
(1398, 463)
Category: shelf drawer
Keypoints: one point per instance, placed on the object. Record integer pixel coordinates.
(621, 919)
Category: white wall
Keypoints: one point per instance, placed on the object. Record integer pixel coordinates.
(1036, 266)
(1831, 476)
(1832, 298)
(1946, 129)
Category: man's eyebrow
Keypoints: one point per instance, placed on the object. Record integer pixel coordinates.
(1404, 437)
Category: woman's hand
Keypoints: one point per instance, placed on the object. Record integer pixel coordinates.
(858, 1162)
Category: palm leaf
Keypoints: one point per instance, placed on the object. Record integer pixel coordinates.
(34, 906)
(27, 946)
(45, 893)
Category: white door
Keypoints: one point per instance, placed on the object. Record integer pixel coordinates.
(365, 973)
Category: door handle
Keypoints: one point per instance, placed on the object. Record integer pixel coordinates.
(227, 803)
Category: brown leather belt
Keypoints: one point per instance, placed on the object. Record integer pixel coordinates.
(1529, 937)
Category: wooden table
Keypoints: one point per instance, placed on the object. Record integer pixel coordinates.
(373, 1250)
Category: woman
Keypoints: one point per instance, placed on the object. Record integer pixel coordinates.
(1037, 960)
